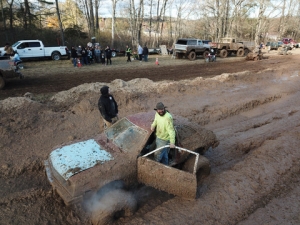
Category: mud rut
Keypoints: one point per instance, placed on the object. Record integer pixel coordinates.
(255, 169)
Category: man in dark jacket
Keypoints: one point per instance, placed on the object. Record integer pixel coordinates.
(74, 56)
(145, 53)
(108, 107)
(108, 55)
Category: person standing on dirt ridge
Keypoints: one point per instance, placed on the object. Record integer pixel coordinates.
(108, 55)
(165, 132)
(108, 107)
(128, 53)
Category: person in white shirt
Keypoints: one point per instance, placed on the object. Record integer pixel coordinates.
(140, 52)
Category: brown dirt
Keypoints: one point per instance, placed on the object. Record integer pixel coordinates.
(252, 107)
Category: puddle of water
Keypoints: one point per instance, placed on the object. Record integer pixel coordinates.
(237, 88)
(295, 74)
(286, 77)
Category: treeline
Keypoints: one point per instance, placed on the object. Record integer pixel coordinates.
(151, 22)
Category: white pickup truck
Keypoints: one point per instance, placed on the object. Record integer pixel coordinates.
(36, 49)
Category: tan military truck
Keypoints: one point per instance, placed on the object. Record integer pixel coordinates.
(229, 46)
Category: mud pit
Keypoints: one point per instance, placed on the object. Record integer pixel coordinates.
(255, 115)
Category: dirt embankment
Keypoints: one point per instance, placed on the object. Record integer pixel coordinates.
(255, 169)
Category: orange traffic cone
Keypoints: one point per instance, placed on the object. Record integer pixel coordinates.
(156, 61)
(79, 63)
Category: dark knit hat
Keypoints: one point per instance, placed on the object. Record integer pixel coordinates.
(160, 106)
(104, 90)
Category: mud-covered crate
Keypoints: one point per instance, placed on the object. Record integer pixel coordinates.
(181, 182)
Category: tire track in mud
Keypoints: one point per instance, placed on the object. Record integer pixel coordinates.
(36, 203)
(239, 139)
(255, 159)
(276, 212)
(245, 166)
(229, 196)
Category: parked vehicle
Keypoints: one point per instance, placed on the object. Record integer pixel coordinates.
(109, 161)
(208, 42)
(154, 51)
(191, 48)
(35, 49)
(274, 45)
(289, 41)
(9, 70)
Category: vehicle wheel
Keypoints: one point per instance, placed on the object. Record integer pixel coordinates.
(113, 54)
(2, 82)
(240, 52)
(203, 166)
(205, 54)
(112, 206)
(246, 52)
(223, 53)
(192, 56)
(55, 56)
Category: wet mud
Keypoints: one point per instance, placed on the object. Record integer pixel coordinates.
(254, 170)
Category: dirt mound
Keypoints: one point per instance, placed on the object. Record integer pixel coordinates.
(255, 115)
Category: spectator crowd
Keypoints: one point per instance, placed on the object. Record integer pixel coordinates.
(93, 53)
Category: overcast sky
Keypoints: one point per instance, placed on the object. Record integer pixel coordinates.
(105, 8)
(187, 6)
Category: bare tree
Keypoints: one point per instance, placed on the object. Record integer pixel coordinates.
(113, 21)
(97, 14)
(11, 15)
(3, 15)
(136, 18)
(92, 18)
(60, 23)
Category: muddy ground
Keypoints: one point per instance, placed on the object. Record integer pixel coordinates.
(252, 107)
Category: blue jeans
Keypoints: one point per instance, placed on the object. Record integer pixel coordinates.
(74, 60)
(85, 60)
(212, 58)
(146, 58)
(162, 155)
